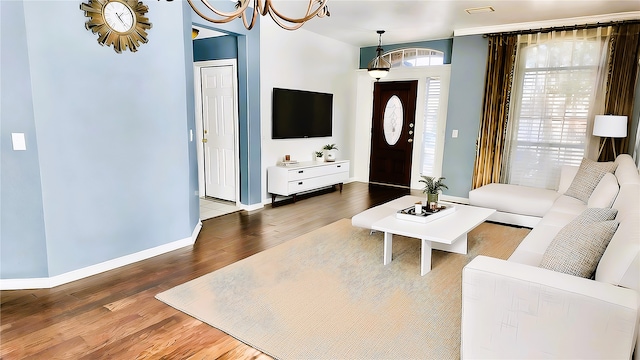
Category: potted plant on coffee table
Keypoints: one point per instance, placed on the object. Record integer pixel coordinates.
(432, 187)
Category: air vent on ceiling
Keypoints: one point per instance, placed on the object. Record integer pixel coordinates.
(478, 10)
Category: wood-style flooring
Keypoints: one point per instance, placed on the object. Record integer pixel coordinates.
(114, 315)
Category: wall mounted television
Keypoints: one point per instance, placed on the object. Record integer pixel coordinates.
(301, 114)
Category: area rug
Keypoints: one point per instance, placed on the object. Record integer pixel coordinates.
(327, 295)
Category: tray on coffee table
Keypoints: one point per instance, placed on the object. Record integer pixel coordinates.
(427, 214)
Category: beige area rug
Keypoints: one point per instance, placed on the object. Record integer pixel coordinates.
(327, 295)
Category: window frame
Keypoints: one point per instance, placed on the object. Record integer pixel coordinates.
(432, 55)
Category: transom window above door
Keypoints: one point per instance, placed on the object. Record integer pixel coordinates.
(412, 57)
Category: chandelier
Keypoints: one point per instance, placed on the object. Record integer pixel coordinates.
(317, 8)
(379, 67)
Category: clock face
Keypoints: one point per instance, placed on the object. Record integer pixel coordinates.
(118, 16)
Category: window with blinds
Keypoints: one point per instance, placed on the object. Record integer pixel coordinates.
(430, 132)
(554, 87)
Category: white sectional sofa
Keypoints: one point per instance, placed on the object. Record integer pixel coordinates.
(515, 309)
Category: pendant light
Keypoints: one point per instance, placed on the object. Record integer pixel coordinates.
(379, 67)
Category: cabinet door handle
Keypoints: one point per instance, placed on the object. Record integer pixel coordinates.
(300, 183)
(300, 171)
(339, 165)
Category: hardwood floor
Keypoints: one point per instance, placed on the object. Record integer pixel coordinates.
(115, 315)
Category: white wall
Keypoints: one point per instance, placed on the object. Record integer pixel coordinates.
(303, 60)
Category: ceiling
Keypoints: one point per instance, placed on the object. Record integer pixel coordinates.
(356, 21)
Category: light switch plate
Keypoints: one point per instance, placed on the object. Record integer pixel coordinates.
(19, 142)
(454, 134)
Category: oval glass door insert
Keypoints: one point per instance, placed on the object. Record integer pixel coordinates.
(393, 120)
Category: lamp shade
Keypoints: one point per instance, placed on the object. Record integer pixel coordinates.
(614, 126)
(378, 73)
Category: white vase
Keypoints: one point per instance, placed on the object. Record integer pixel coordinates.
(329, 155)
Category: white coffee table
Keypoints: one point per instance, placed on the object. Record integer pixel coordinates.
(448, 233)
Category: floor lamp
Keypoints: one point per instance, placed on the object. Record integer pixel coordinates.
(610, 126)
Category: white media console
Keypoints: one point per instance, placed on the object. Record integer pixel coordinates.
(305, 176)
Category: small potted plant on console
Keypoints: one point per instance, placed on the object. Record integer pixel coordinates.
(318, 155)
(330, 152)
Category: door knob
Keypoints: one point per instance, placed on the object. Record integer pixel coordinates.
(204, 140)
(410, 140)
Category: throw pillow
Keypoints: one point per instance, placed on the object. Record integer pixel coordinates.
(589, 175)
(591, 215)
(605, 193)
(577, 248)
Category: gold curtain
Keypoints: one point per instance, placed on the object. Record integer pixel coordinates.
(621, 82)
(491, 138)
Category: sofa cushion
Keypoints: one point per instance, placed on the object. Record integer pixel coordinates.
(578, 247)
(533, 246)
(627, 170)
(568, 205)
(605, 193)
(589, 175)
(620, 264)
(514, 199)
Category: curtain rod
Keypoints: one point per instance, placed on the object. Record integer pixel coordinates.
(563, 28)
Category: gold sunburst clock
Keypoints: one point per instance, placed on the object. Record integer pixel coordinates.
(120, 23)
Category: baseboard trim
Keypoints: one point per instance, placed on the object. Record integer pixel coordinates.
(50, 282)
(454, 199)
(252, 207)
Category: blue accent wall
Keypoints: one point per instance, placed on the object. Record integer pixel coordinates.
(253, 140)
(109, 166)
(23, 248)
(216, 48)
(243, 115)
(189, 96)
(464, 112)
(444, 45)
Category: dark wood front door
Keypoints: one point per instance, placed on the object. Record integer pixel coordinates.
(392, 132)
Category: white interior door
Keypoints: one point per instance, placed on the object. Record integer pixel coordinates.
(219, 131)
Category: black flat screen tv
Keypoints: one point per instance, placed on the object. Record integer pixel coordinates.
(301, 114)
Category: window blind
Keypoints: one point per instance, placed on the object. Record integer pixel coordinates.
(430, 132)
(553, 104)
